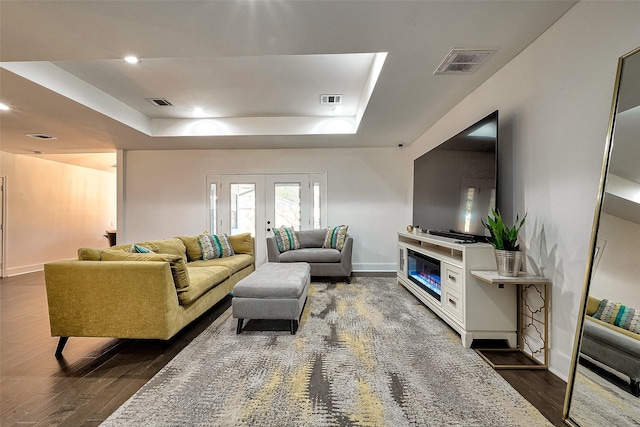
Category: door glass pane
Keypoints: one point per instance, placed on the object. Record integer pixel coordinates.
(243, 208)
(213, 208)
(287, 204)
(316, 205)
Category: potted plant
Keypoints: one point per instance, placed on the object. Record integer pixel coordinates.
(505, 242)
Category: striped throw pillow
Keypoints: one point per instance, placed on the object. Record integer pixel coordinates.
(286, 239)
(619, 315)
(336, 237)
(215, 246)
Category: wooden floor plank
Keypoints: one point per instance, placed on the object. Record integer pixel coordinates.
(97, 375)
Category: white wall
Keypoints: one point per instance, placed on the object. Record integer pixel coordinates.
(165, 192)
(616, 275)
(52, 209)
(554, 101)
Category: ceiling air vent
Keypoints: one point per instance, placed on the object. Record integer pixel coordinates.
(463, 61)
(159, 102)
(330, 99)
(40, 136)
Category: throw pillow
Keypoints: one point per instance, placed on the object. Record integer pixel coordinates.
(194, 253)
(215, 246)
(140, 249)
(89, 254)
(286, 239)
(592, 305)
(176, 262)
(619, 315)
(336, 237)
(242, 243)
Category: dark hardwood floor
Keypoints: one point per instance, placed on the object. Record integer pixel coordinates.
(97, 375)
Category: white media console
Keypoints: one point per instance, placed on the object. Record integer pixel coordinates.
(474, 309)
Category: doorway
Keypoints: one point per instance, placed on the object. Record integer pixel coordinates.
(258, 203)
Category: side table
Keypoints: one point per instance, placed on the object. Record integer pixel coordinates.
(533, 313)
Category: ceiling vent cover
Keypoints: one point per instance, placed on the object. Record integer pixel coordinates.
(159, 102)
(330, 99)
(463, 61)
(40, 136)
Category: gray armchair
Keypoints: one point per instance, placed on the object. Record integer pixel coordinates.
(324, 262)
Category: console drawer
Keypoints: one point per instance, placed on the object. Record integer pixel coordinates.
(452, 276)
(452, 303)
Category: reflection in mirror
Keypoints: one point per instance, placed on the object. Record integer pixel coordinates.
(603, 386)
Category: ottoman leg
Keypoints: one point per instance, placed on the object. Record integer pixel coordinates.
(294, 326)
(239, 330)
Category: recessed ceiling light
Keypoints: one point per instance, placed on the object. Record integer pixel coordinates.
(4, 107)
(132, 59)
(198, 112)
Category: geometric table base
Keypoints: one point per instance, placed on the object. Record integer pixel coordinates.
(533, 335)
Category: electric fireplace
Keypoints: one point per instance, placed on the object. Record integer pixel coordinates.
(424, 271)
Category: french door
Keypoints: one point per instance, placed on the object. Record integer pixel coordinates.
(258, 203)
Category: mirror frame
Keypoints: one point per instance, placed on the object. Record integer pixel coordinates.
(592, 245)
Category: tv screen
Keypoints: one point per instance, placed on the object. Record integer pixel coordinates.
(454, 184)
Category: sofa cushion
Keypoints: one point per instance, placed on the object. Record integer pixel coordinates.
(126, 247)
(215, 246)
(202, 280)
(178, 266)
(311, 238)
(234, 263)
(242, 243)
(612, 328)
(286, 239)
(592, 305)
(192, 247)
(315, 255)
(89, 254)
(335, 237)
(619, 315)
(173, 246)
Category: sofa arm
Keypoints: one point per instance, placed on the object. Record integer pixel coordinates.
(273, 254)
(122, 299)
(347, 251)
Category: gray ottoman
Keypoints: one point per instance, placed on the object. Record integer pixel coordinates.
(273, 291)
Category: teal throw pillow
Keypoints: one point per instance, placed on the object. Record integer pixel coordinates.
(215, 246)
(336, 236)
(286, 239)
(137, 249)
(619, 315)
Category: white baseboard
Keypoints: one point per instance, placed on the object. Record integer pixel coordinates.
(374, 268)
(15, 271)
(559, 364)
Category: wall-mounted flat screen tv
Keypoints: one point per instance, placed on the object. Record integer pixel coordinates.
(454, 184)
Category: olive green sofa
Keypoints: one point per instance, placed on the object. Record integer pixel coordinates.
(115, 293)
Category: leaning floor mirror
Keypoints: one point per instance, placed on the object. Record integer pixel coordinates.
(603, 385)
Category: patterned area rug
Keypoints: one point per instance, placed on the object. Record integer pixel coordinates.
(598, 402)
(365, 354)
